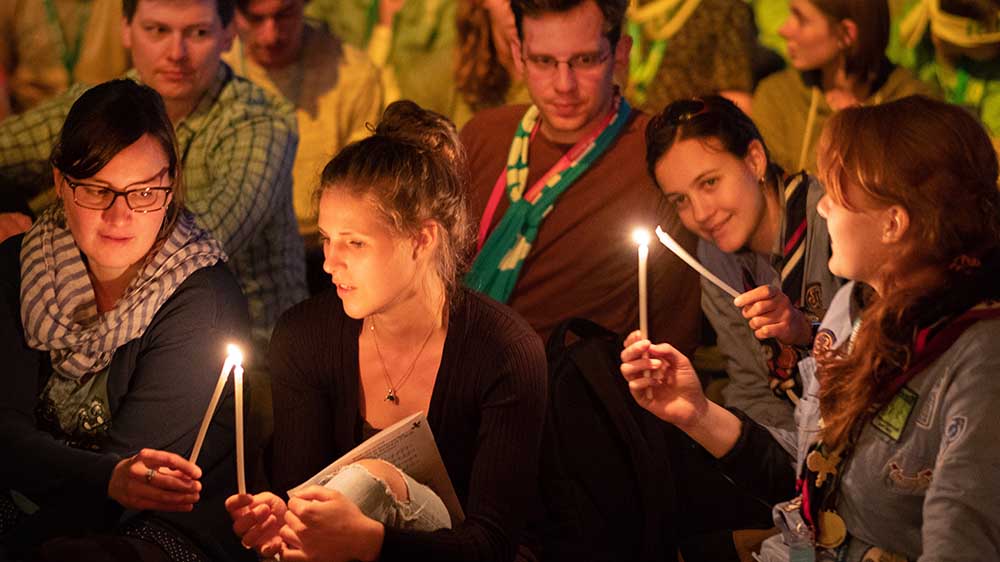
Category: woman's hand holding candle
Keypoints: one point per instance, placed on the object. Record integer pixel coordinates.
(672, 392)
(257, 519)
(677, 396)
(155, 480)
(771, 314)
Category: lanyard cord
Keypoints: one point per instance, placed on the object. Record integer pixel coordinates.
(69, 56)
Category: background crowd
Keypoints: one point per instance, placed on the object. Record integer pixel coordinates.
(393, 205)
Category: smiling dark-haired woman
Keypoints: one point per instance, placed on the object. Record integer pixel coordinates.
(758, 231)
(896, 449)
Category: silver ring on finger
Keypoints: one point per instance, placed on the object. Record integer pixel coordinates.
(149, 475)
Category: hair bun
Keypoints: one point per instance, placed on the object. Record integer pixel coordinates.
(405, 121)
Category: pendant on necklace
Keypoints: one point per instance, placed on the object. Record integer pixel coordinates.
(391, 397)
(832, 530)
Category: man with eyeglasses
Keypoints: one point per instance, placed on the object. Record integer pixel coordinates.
(237, 143)
(558, 203)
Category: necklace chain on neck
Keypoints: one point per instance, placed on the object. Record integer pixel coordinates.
(392, 390)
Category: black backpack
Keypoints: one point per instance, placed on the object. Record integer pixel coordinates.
(615, 482)
(605, 483)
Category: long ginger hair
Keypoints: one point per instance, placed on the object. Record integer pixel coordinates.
(935, 161)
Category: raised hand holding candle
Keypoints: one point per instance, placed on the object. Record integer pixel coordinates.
(676, 248)
(641, 237)
(241, 481)
(234, 357)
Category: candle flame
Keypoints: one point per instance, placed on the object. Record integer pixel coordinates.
(235, 354)
(641, 236)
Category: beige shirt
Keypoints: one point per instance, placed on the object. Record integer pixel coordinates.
(416, 53)
(781, 112)
(336, 91)
(31, 47)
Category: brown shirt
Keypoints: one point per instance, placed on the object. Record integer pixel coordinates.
(583, 262)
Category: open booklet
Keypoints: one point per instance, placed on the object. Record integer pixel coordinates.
(408, 444)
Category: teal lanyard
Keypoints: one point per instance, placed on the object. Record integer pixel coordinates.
(69, 56)
(371, 18)
(957, 96)
(641, 71)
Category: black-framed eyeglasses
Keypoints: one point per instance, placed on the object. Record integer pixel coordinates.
(584, 62)
(682, 111)
(101, 198)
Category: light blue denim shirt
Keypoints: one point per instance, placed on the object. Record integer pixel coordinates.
(929, 490)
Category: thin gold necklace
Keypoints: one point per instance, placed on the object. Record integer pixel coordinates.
(392, 390)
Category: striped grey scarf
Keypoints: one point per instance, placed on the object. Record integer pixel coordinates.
(58, 307)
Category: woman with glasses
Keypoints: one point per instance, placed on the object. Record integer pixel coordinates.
(895, 449)
(115, 311)
(759, 232)
(836, 49)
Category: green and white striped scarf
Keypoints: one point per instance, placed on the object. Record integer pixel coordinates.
(498, 265)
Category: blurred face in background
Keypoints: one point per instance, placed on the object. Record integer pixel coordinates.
(503, 30)
(813, 40)
(271, 31)
(175, 46)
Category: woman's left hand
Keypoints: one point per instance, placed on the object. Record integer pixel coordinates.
(322, 524)
(155, 480)
(771, 314)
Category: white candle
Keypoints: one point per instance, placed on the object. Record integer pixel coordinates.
(676, 248)
(241, 481)
(233, 358)
(641, 237)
